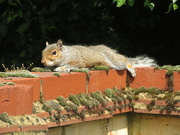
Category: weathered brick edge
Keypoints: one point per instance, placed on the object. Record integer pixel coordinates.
(23, 128)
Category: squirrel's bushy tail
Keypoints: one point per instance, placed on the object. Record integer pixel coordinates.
(142, 61)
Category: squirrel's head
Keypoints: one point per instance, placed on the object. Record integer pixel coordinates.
(52, 54)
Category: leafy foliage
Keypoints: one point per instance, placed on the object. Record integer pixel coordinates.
(25, 26)
(147, 3)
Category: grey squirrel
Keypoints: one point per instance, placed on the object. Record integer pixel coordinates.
(64, 58)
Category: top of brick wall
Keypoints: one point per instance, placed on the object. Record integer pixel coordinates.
(27, 90)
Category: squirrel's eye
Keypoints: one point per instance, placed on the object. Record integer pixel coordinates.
(54, 53)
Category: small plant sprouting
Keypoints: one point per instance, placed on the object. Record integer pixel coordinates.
(16, 68)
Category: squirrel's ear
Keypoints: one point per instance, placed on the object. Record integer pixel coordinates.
(60, 44)
(47, 43)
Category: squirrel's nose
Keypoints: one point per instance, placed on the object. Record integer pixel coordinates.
(43, 61)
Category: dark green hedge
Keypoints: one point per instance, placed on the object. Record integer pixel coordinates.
(25, 25)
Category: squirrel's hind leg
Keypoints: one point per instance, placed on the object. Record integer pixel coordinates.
(130, 68)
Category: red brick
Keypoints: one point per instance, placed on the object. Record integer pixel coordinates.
(9, 129)
(176, 82)
(149, 77)
(66, 84)
(34, 128)
(30, 81)
(16, 100)
(155, 111)
(101, 80)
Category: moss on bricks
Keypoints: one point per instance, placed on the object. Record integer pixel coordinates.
(74, 99)
(47, 108)
(98, 96)
(39, 69)
(56, 74)
(10, 83)
(102, 67)
(5, 118)
(109, 93)
(83, 70)
(62, 101)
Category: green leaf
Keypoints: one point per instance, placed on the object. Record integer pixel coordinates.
(23, 27)
(9, 18)
(1, 1)
(3, 30)
(5, 13)
(175, 6)
(19, 2)
(169, 8)
(130, 2)
(119, 2)
(174, 1)
(23, 53)
(149, 5)
(146, 2)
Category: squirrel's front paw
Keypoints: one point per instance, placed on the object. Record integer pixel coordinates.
(62, 69)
